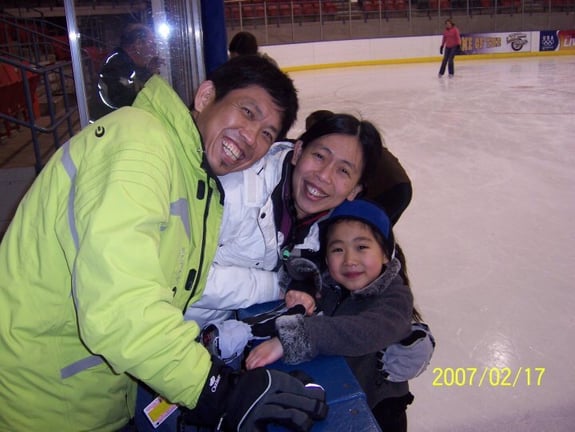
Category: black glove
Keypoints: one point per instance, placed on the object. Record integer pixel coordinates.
(441, 49)
(228, 339)
(249, 401)
(305, 274)
(264, 325)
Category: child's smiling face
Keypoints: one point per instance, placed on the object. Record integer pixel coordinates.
(354, 256)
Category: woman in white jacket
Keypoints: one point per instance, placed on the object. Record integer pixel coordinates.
(272, 208)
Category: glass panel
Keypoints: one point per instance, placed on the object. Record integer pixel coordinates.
(118, 44)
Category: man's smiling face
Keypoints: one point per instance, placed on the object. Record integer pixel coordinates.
(238, 129)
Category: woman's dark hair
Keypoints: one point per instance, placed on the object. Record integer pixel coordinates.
(346, 124)
(243, 43)
(316, 116)
(415, 315)
(244, 71)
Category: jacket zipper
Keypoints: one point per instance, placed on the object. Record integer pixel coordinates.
(203, 244)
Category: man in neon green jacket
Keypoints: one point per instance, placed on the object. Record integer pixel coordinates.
(114, 240)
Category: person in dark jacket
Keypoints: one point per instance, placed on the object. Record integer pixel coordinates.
(243, 43)
(365, 304)
(126, 69)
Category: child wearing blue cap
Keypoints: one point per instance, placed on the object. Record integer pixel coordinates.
(366, 304)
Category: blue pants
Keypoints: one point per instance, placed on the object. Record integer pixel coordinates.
(448, 56)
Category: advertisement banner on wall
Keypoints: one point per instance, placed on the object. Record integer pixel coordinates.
(488, 43)
(557, 40)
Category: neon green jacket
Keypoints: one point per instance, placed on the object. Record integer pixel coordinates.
(108, 247)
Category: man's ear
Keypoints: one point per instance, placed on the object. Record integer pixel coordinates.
(297, 151)
(205, 95)
(355, 192)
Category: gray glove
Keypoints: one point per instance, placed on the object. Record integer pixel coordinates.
(441, 49)
(408, 358)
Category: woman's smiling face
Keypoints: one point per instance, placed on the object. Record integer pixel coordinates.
(327, 171)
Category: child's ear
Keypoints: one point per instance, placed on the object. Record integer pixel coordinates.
(297, 151)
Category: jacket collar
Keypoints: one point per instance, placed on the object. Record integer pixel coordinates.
(160, 99)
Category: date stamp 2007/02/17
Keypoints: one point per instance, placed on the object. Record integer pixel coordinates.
(487, 376)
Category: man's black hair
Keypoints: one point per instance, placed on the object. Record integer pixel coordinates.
(244, 71)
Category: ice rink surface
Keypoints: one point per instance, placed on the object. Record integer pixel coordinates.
(490, 233)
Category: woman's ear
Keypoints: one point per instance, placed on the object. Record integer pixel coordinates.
(297, 151)
(205, 95)
(355, 192)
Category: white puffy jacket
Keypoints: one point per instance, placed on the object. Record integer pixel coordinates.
(244, 270)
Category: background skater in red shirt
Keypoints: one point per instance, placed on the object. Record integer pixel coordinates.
(450, 45)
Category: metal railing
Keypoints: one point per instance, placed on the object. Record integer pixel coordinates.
(25, 112)
(41, 76)
(288, 21)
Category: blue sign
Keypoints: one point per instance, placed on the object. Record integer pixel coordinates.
(548, 40)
